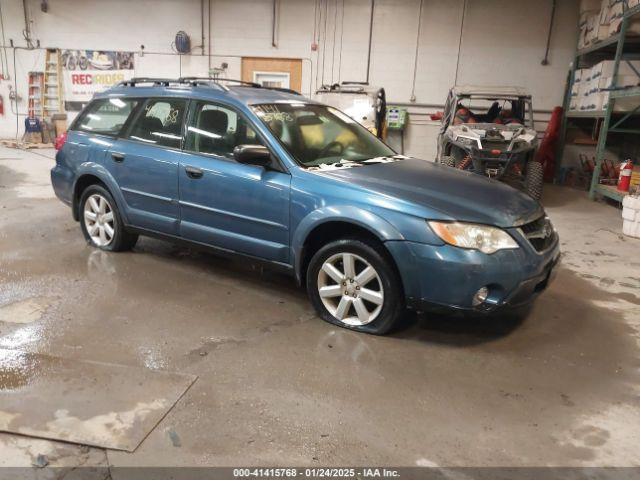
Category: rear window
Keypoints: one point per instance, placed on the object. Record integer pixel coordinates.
(106, 116)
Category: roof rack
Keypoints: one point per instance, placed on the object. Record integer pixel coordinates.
(199, 81)
(156, 81)
(193, 80)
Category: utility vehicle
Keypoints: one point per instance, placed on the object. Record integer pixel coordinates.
(499, 143)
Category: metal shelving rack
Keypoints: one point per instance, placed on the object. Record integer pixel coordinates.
(621, 48)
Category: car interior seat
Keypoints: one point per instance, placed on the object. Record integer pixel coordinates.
(147, 127)
(216, 123)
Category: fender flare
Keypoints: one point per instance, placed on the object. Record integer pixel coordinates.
(96, 170)
(365, 219)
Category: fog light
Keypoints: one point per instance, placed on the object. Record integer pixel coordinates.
(480, 296)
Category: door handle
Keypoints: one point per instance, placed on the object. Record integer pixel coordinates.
(193, 172)
(117, 157)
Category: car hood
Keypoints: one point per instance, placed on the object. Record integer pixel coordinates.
(442, 192)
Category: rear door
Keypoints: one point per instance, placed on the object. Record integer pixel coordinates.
(145, 163)
(96, 129)
(243, 208)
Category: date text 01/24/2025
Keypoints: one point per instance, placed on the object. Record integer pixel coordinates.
(315, 473)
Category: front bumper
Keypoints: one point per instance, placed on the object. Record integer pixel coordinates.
(446, 277)
(496, 166)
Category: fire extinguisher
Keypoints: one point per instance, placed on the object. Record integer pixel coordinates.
(1, 105)
(624, 180)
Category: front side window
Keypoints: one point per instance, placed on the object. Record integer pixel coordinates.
(106, 116)
(160, 123)
(319, 135)
(216, 130)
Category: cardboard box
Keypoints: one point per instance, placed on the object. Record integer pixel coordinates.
(605, 68)
(623, 81)
(589, 30)
(590, 5)
(603, 32)
(617, 9)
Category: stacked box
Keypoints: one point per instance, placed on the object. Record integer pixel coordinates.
(594, 21)
(631, 216)
(589, 5)
(580, 79)
(592, 28)
(591, 87)
(601, 19)
(604, 20)
(616, 14)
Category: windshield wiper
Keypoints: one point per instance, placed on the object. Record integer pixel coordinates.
(392, 159)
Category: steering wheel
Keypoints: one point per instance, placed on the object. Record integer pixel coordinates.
(328, 147)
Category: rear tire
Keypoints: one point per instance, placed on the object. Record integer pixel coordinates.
(101, 222)
(353, 284)
(448, 161)
(534, 179)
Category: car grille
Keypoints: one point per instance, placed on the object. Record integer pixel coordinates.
(540, 233)
(489, 145)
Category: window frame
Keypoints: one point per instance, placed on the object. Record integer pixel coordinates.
(277, 164)
(128, 127)
(75, 125)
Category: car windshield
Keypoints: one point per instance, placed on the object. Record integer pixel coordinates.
(318, 135)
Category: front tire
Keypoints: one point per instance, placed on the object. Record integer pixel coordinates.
(101, 222)
(353, 284)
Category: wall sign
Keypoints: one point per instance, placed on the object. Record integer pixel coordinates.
(87, 72)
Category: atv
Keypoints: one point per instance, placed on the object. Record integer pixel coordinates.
(500, 143)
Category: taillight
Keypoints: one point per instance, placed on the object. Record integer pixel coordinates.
(60, 139)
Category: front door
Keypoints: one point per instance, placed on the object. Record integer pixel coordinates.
(238, 207)
(145, 165)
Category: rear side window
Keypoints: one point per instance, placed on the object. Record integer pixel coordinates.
(160, 122)
(106, 117)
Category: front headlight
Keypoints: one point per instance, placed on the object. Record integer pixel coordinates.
(469, 235)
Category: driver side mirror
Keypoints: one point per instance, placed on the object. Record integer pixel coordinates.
(252, 155)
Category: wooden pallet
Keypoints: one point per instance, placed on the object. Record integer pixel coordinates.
(26, 146)
(36, 145)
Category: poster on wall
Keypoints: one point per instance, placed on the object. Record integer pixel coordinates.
(87, 72)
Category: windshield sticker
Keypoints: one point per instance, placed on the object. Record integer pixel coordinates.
(172, 117)
(271, 112)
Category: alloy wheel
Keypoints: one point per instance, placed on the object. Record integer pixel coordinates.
(350, 289)
(99, 221)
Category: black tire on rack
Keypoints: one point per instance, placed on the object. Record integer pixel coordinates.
(533, 180)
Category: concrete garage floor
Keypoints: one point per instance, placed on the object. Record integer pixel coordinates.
(557, 385)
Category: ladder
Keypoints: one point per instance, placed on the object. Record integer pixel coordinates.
(35, 95)
(52, 91)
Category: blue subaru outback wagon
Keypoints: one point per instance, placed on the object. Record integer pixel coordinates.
(275, 177)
